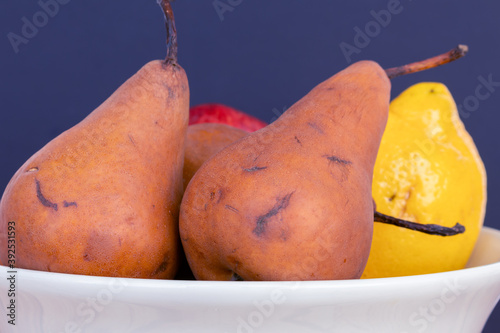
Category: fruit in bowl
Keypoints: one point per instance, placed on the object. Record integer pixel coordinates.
(257, 211)
(103, 197)
(204, 140)
(428, 170)
(223, 114)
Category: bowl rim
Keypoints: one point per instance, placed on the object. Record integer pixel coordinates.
(40, 277)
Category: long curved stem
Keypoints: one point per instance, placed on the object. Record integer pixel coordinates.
(171, 31)
(432, 229)
(453, 54)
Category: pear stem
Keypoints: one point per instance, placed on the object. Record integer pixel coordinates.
(453, 54)
(171, 31)
(431, 229)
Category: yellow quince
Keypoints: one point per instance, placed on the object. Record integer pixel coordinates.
(428, 170)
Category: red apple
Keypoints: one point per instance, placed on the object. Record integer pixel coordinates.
(222, 114)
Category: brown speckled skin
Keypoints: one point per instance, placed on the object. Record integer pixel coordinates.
(109, 188)
(293, 201)
(205, 140)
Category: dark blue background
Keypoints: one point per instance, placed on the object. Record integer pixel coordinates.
(263, 56)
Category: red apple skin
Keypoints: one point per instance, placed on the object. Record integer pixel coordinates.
(222, 114)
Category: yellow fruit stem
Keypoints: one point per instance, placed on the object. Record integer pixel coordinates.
(431, 229)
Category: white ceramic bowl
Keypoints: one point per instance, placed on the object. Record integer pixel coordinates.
(458, 301)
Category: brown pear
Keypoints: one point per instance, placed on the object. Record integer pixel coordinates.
(293, 200)
(205, 140)
(102, 198)
(202, 142)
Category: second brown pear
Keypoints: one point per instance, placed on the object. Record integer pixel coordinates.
(292, 201)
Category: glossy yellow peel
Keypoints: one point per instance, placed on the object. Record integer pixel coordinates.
(428, 170)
